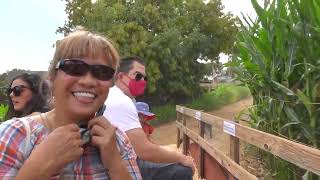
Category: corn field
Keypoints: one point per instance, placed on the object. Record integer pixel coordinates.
(278, 57)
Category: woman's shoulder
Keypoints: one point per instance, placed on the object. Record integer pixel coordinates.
(121, 135)
(123, 143)
(14, 123)
(19, 135)
(20, 126)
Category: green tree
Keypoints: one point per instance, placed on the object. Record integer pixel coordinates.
(171, 35)
(3, 88)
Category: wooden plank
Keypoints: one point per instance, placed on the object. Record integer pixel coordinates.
(201, 133)
(208, 130)
(186, 142)
(205, 117)
(178, 130)
(234, 151)
(213, 169)
(301, 155)
(238, 171)
(184, 137)
(234, 148)
(178, 138)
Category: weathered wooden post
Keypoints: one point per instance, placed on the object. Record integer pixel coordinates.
(186, 140)
(202, 152)
(178, 130)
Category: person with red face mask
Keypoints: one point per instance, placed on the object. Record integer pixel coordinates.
(154, 161)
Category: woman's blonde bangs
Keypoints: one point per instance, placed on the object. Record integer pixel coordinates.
(81, 44)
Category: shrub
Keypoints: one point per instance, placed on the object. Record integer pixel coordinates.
(3, 111)
(222, 95)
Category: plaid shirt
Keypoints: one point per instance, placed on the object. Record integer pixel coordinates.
(89, 166)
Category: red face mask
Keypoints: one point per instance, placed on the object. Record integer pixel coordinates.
(137, 88)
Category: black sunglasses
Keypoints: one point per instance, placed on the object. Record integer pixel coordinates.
(75, 67)
(17, 90)
(139, 76)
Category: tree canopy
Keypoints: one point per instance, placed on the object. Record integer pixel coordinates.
(170, 35)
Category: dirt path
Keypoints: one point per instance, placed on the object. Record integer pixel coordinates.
(167, 133)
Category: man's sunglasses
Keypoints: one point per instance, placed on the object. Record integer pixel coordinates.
(17, 90)
(75, 67)
(139, 76)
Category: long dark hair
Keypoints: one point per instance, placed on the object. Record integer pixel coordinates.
(38, 102)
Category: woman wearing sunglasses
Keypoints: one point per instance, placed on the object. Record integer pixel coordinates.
(27, 95)
(50, 146)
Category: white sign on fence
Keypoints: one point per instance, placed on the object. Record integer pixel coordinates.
(229, 127)
(198, 115)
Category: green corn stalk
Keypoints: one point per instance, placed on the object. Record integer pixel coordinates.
(278, 58)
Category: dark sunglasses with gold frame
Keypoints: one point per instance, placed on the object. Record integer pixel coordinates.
(17, 90)
(77, 67)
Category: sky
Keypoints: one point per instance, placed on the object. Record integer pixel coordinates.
(237, 8)
(28, 27)
(27, 33)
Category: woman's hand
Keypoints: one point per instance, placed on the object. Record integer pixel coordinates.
(187, 161)
(104, 137)
(61, 146)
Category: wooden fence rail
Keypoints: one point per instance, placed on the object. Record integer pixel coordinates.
(301, 155)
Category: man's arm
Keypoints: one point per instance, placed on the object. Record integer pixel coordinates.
(148, 151)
